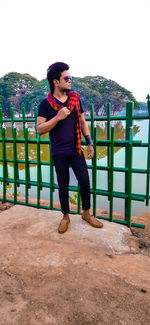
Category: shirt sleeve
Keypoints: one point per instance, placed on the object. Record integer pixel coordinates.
(43, 109)
(82, 110)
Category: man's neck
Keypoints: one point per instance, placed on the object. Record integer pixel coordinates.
(61, 96)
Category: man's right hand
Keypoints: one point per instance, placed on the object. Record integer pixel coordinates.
(63, 113)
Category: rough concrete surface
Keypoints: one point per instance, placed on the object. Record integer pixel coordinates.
(86, 276)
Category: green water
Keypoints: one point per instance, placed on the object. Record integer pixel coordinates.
(140, 131)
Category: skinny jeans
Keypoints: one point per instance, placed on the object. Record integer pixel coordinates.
(62, 162)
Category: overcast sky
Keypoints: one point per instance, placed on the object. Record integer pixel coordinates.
(110, 38)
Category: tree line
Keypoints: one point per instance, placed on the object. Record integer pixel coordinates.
(18, 89)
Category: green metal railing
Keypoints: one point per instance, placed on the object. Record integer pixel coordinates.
(110, 143)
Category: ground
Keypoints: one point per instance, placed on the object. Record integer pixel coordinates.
(86, 276)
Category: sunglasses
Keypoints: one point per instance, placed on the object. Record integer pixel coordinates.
(68, 78)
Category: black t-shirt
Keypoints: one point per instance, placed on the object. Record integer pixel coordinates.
(62, 136)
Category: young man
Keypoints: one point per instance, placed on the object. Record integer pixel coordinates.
(61, 114)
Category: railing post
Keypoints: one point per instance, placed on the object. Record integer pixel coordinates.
(51, 181)
(129, 177)
(108, 138)
(1, 116)
(26, 164)
(79, 200)
(35, 116)
(94, 171)
(12, 114)
(128, 160)
(92, 118)
(148, 157)
(38, 171)
(23, 117)
(4, 163)
(111, 174)
(15, 163)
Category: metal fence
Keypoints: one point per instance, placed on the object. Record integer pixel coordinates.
(110, 143)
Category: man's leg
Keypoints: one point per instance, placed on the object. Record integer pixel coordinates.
(61, 164)
(80, 169)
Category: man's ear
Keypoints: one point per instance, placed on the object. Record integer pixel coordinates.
(56, 82)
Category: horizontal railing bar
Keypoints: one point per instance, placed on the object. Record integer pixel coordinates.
(114, 220)
(139, 225)
(19, 140)
(124, 222)
(100, 143)
(115, 118)
(96, 118)
(121, 195)
(135, 197)
(31, 162)
(122, 169)
(105, 168)
(133, 224)
(17, 120)
(70, 211)
(123, 143)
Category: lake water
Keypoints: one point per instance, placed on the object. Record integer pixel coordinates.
(140, 131)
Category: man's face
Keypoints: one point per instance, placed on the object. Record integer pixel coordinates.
(64, 83)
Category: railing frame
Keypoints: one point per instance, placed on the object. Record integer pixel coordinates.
(128, 143)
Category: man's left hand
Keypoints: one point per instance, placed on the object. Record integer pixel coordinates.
(90, 151)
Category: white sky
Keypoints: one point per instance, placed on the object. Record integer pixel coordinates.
(110, 38)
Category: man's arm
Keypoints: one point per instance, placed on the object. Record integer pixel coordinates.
(86, 132)
(44, 126)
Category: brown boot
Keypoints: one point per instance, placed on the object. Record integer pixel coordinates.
(63, 225)
(93, 221)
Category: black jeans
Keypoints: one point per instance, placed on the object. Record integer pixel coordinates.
(79, 166)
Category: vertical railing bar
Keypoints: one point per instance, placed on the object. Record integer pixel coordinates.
(94, 172)
(26, 166)
(35, 116)
(130, 177)
(108, 138)
(111, 175)
(1, 116)
(129, 115)
(12, 115)
(92, 118)
(1, 124)
(148, 156)
(15, 162)
(79, 200)
(38, 171)
(4, 163)
(51, 181)
(14, 154)
(38, 159)
(92, 136)
(23, 118)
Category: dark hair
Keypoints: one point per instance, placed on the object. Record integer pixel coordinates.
(54, 72)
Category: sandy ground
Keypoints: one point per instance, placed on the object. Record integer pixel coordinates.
(86, 276)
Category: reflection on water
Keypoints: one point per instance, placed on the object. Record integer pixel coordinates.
(140, 131)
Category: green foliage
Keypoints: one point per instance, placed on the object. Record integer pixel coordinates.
(100, 89)
(73, 198)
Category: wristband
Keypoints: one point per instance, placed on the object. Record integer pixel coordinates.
(88, 140)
